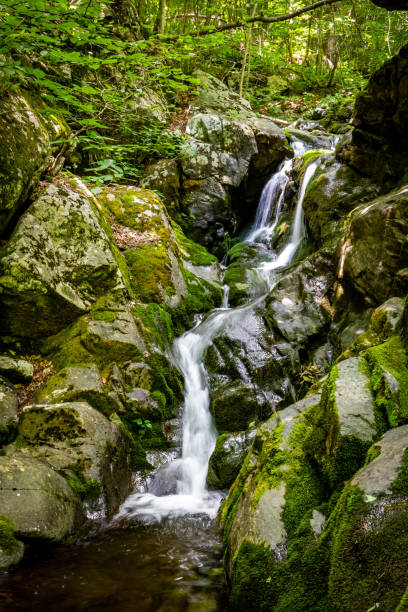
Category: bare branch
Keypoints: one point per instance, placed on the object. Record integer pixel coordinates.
(262, 19)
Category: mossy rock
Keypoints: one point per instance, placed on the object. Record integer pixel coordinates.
(368, 532)
(78, 384)
(388, 368)
(275, 489)
(11, 549)
(57, 263)
(343, 424)
(39, 502)
(26, 148)
(79, 442)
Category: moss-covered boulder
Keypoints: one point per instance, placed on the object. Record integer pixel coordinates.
(368, 558)
(79, 442)
(343, 424)
(387, 365)
(16, 370)
(78, 384)
(227, 458)
(26, 149)
(11, 549)
(374, 247)
(38, 500)
(275, 488)
(57, 263)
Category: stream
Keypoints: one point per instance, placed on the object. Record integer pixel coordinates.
(162, 552)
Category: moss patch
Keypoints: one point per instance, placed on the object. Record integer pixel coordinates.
(387, 366)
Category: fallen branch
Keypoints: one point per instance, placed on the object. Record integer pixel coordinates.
(277, 121)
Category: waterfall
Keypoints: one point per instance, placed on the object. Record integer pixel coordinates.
(179, 487)
(298, 227)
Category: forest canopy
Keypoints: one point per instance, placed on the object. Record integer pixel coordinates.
(89, 60)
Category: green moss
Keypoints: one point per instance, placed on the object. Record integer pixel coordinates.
(391, 405)
(373, 452)
(400, 484)
(149, 271)
(337, 456)
(369, 555)
(156, 324)
(40, 425)
(8, 542)
(195, 253)
(252, 587)
(87, 489)
(105, 315)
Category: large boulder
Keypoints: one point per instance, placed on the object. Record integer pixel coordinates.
(39, 502)
(80, 442)
(228, 148)
(26, 151)
(272, 492)
(57, 263)
(374, 249)
(378, 147)
(368, 531)
(344, 422)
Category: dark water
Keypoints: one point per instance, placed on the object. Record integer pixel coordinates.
(173, 566)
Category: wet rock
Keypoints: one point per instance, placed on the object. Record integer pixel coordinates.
(16, 370)
(374, 247)
(333, 192)
(39, 502)
(250, 371)
(298, 307)
(227, 458)
(78, 441)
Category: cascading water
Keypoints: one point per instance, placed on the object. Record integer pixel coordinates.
(179, 488)
(162, 551)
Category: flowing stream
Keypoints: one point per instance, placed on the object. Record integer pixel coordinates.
(162, 551)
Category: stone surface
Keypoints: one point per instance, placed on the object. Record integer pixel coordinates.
(57, 263)
(25, 153)
(227, 458)
(229, 147)
(78, 384)
(16, 370)
(374, 247)
(77, 440)
(39, 501)
(368, 528)
(8, 402)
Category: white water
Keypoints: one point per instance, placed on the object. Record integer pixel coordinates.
(187, 474)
